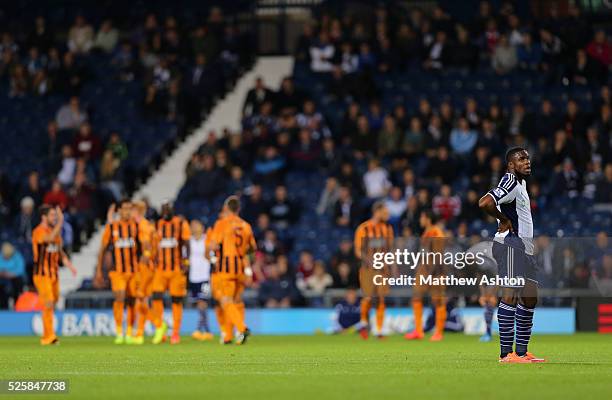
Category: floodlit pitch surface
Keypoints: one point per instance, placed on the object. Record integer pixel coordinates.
(314, 367)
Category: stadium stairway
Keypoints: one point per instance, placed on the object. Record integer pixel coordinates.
(168, 179)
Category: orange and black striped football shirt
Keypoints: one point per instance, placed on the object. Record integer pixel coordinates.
(123, 240)
(371, 237)
(172, 236)
(46, 254)
(235, 239)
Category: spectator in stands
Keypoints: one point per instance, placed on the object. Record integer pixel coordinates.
(26, 220)
(462, 138)
(321, 54)
(389, 137)
(600, 50)
(254, 204)
(446, 205)
(117, 146)
(56, 195)
(438, 54)
(67, 168)
(396, 204)
(71, 116)
(344, 276)
(33, 188)
(107, 37)
(257, 96)
(376, 180)
(414, 138)
(346, 211)
(19, 84)
(329, 196)
(278, 289)
(81, 206)
(282, 211)
(269, 166)
(603, 192)
(238, 183)
(80, 36)
(568, 182)
(316, 284)
(110, 178)
(529, 54)
(581, 70)
(86, 144)
(305, 152)
(12, 274)
(288, 99)
(41, 37)
(463, 54)
(504, 57)
(442, 168)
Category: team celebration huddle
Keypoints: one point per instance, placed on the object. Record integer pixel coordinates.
(150, 259)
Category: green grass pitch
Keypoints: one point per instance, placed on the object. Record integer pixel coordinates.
(313, 367)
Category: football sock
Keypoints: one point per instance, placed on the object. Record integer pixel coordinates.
(177, 317)
(380, 316)
(131, 316)
(118, 314)
(203, 321)
(417, 309)
(505, 317)
(143, 313)
(440, 319)
(233, 314)
(224, 326)
(47, 320)
(158, 312)
(524, 322)
(488, 317)
(366, 304)
(241, 308)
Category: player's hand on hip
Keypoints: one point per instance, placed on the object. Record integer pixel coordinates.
(505, 225)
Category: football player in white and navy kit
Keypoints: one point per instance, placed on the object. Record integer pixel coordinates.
(513, 251)
(199, 279)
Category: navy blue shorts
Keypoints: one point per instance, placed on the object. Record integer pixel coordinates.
(513, 262)
(199, 291)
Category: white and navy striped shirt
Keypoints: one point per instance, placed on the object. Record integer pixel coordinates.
(512, 200)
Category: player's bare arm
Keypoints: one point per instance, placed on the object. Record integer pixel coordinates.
(487, 204)
(67, 262)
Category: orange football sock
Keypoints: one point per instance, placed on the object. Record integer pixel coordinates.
(158, 312)
(225, 327)
(241, 309)
(417, 309)
(440, 319)
(380, 316)
(233, 314)
(47, 320)
(118, 314)
(366, 304)
(143, 313)
(131, 318)
(177, 317)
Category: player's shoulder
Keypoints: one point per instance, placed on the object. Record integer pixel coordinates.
(364, 224)
(39, 231)
(508, 181)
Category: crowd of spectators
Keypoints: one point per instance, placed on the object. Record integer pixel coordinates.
(438, 156)
(182, 69)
